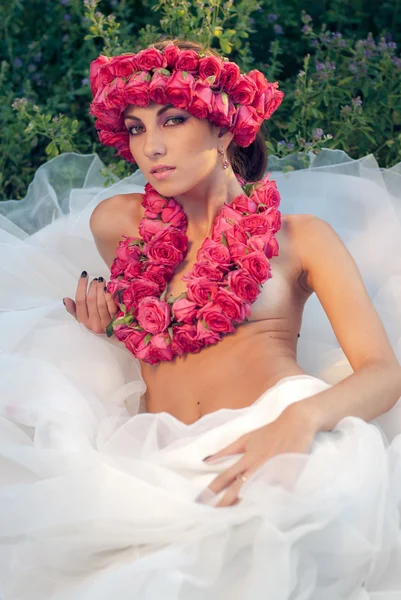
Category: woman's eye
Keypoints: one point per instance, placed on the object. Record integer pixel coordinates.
(133, 130)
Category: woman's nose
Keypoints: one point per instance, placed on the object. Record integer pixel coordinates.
(153, 144)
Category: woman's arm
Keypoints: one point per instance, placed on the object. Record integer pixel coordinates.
(375, 385)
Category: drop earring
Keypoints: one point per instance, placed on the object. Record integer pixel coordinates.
(225, 161)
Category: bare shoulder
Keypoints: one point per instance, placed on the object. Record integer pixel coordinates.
(307, 230)
(111, 219)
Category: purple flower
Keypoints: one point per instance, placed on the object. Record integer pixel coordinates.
(84, 81)
(290, 146)
(278, 30)
(391, 45)
(317, 134)
(306, 29)
(306, 18)
(65, 38)
(271, 18)
(357, 101)
(37, 57)
(67, 17)
(64, 2)
(282, 143)
(18, 62)
(396, 61)
(319, 66)
(308, 144)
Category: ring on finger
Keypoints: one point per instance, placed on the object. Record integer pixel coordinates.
(243, 478)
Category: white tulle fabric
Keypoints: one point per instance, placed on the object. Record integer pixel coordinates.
(99, 499)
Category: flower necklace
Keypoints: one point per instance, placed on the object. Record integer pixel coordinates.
(225, 280)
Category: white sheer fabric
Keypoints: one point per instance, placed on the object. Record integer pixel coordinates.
(97, 500)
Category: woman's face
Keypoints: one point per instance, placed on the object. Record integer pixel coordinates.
(165, 135)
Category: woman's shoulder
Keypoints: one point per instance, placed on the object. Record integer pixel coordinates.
(111, 219)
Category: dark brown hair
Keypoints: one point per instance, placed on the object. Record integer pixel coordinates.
(250, 162)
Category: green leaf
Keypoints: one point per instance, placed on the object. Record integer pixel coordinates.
(109, 329)
(51, 149)
(147, 339)
(224, 240)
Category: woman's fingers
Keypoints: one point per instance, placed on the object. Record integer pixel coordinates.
(93, 307)
(103, 305)
(70, 306)
(80, 299)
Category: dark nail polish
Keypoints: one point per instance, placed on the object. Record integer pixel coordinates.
(63, 301)
(100, 279)
(105, 289)
(206, 457)
(94, 279)
(84, 274)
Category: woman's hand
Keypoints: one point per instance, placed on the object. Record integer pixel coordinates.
(94, 309)
(292, 431)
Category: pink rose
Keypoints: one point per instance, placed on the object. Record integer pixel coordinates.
(222, 110)
(98, 104)
(117, 285)
(139, 288)
(114, 97)
(244, 90)
(133, 339)
(206, 335)
(229, 76)
(163, 253)
(231, 305)
(128, 251)
(116, 140)
(157, 88)
(176, 238)
(187, 61)
(123, 66)
(201, 290)
(185, 339)
(179, 89)
(126, 154)
(149, 59)
(273, 99)
(237, 240)
(160, 274)
(95, 78)
(153, 315)
(113, 127)
(122, 332)
(243, 286)
(257, 266)
(266, 192)
(243, 204)
(117, 268)
(173, 214)
(137, 89)
(273, 217)
(184, 310)
(157, 349)
(210, 66)
(230, 214)
(220, 226)
(260, 80)
(255, 224)
(266, 243)
(149, 227)
(215, 320)
(153, 204)
(204, 269)
(171, 53)
(215, 252)
(246, 125)
(133, 270)
(202, 100)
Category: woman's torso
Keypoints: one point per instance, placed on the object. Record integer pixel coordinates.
(234, 372)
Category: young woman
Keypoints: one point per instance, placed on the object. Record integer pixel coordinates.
(113, 478)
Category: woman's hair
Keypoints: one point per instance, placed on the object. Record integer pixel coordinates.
(250, 162)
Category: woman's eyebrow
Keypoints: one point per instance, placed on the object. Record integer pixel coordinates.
(159, 112)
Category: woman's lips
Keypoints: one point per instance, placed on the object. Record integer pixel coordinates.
(162, 174)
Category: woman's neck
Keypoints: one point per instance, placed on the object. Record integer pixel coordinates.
(203, 203)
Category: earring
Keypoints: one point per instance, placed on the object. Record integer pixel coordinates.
(225, 161)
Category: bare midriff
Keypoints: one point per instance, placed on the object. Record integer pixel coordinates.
(231, 374)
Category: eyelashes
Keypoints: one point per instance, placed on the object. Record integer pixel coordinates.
(132, 130)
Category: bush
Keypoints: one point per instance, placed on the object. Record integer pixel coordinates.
(341, 82)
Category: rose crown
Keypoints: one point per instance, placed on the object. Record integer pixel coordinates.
(208, 87)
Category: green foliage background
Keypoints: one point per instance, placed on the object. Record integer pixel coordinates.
(342, 85)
